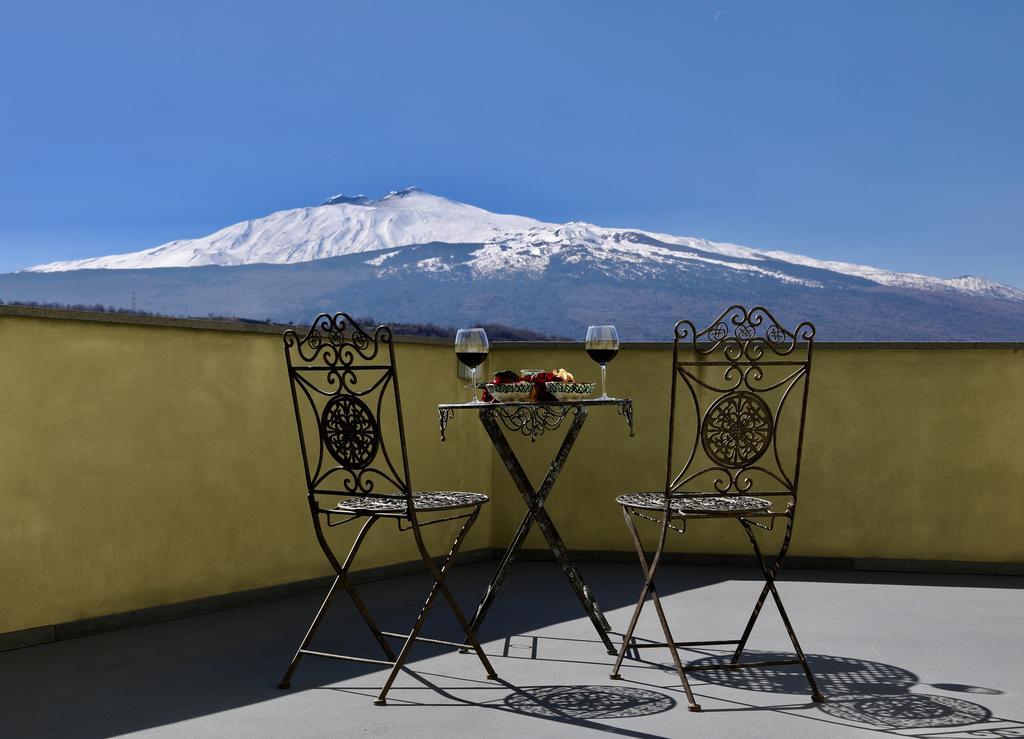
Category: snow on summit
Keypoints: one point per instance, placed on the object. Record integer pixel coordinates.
(505, 245)
(343, 225)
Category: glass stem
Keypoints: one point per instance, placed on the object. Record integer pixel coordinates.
(604, 387)
(472, 384)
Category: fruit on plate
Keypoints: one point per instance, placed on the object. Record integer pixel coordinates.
(557, 375)
(506, 376)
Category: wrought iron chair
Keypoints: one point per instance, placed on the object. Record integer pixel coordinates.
(343, 381)
(746, 380)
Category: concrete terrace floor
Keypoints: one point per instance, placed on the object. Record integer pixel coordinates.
(896, 654)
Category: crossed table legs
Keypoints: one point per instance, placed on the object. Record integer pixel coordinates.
(534, 499)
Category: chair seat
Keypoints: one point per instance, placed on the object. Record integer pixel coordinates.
(725, 505)
(433, 501)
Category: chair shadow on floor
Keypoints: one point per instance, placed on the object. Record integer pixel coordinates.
(579, 706)
(865, 692)
(861, 692)
(591, 702)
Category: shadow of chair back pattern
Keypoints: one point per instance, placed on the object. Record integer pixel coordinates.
(344, 385)
(739, 397)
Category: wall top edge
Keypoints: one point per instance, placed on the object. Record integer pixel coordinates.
(201, 324)
(826, 345)
(205, 324)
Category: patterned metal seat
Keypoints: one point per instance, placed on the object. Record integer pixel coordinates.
(701, 505)
(423, 502)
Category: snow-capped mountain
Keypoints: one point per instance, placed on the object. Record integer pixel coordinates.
(342, 225)
(415, 257)
(346, 225)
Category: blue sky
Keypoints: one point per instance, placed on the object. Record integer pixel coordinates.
(887, 133)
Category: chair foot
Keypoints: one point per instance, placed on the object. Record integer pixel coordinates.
(380, 702)
(464, 650)
(615, 676)
(284, 686)
(694, 707)
(818, 698)
(492, 676)
(613, 652)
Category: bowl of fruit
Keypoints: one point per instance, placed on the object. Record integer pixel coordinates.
(558, 384)
(536, 386)
(508, 387)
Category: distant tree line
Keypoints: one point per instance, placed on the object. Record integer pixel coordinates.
(97, 308)
(496, 331)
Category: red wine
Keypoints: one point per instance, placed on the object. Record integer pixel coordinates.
(602, 356)
(471, 359)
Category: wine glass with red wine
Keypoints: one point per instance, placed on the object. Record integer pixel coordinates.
(471, 348)
(602, 346)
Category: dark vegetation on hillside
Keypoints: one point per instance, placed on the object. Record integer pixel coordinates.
(495, 331)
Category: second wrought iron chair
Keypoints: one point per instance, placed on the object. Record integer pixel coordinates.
(743, 382)
(343, 380)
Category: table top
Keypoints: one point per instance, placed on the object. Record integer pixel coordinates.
(534, 418)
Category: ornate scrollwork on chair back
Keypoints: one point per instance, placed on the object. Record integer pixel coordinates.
(343, 380)
(337, 341)
(744, 376)
(743, 335)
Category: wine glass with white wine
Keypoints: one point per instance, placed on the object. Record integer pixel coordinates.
(602, 346)
(471, 347)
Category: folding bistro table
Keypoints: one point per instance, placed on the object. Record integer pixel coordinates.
(532, 420)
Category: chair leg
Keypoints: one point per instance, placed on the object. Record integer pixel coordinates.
(286, 681)
(439, 577)
(641, 601)
(776, 566)
(651, 588)
(350, 588)
(438, 587)
(340, 578)
(769, 577)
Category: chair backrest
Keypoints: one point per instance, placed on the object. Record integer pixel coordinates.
(739, 398)
(344, 383)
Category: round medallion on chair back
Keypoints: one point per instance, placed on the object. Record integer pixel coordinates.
(349, 431)
(736, 429)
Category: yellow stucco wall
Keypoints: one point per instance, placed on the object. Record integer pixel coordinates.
(909, 454)
(144, 466)
(150, 465)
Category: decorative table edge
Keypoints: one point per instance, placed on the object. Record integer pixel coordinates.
(533, 418)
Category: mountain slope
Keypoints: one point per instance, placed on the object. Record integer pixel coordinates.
(563, 301)
(411, 256)
(350, 225)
